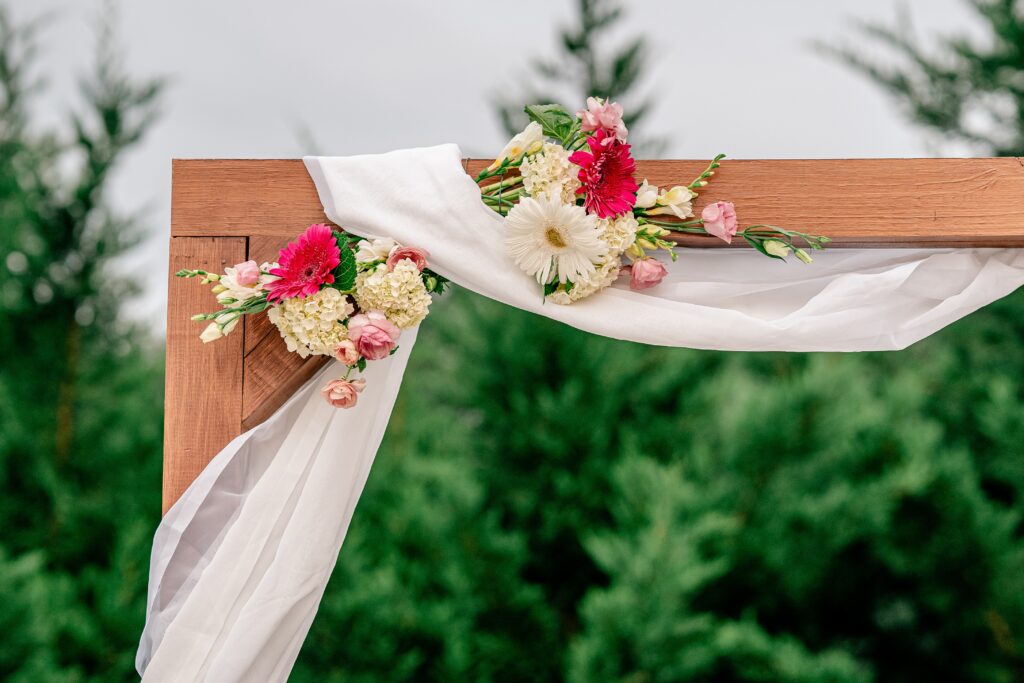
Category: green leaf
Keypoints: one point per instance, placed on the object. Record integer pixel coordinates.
(553, 119)
(345, 273)
(361, 364)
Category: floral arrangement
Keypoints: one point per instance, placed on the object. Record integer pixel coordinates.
(575, 216)
(329, 294)
(575, 212)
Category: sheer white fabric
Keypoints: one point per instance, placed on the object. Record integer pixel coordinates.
(727, 299)
(240, 562)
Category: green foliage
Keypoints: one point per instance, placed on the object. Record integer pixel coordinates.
(968, 90)
(549, 505)
(554, 120)
(80, 387)
(345, 273)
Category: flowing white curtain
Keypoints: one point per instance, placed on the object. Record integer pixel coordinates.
(240, 562)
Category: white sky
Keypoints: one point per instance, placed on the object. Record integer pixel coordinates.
(738, 77)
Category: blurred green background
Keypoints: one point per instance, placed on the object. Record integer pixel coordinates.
(547, 505)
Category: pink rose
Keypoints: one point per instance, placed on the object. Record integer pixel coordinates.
(646, 272)
(373, 334)
(343, 393)
(720, 220)
(606, 116)
(417, 256)
(346, 352)
(247, 273)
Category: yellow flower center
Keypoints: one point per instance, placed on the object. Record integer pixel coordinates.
(554, 237)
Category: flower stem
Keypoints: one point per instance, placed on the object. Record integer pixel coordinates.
(501, 185)
(701, 180)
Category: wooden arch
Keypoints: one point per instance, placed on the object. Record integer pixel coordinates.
(227, 211)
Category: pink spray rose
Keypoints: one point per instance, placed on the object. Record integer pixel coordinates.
(646, 272)
(346, 352)
(417, 256)
(720, 220)
(373, 334)
(343, 393)
(606, 116)
(247, 273)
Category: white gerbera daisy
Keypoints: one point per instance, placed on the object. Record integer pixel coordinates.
(549, 239)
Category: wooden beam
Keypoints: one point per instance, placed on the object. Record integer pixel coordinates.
(857, 202)
(203, 394)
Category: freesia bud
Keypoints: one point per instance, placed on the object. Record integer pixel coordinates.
(217, 289)
(646, 195)
(211, 333)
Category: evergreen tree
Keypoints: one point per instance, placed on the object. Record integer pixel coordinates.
(966, 90)
(675, 515)
(584, 67)
(80, 385)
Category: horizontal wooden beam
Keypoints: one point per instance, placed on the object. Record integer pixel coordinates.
(223, 211)
(857, 202)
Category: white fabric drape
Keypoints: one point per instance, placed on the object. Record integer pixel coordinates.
(240, 562)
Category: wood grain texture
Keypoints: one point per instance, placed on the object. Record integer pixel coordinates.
(271, 373)
(223, 211)
(858, 202)
(203, 394)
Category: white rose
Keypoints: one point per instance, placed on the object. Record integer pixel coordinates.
(374, 250)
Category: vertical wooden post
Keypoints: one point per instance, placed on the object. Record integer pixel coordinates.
(203, 395)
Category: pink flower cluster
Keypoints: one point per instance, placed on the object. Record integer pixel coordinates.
(371, 336)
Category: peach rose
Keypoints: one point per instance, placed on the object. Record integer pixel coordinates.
(720, 220)
(346, 352)
(343, 393)
(645, 273)
(373, 334)
(417, 256)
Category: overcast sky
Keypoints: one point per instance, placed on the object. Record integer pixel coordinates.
(739, 77)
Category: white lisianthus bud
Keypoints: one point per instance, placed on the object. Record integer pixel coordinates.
(528, 141)
(803, 255)
(777, 248)
(646, 196)
(226, 330)
(211, 333)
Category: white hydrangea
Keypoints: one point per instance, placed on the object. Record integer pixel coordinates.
(399, 294)
(312, 325)
(549, 173)
(604, 276)
(618, 233)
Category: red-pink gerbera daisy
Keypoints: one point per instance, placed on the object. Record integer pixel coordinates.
(305, 265)
(606, 173)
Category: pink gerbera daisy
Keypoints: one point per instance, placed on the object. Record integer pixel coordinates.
(305, 265)
(606, 175)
